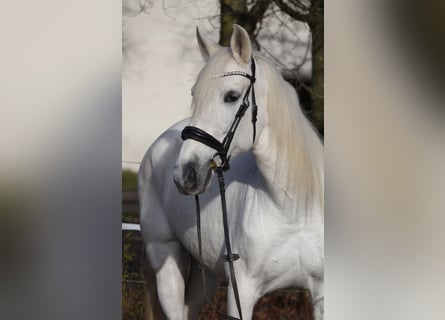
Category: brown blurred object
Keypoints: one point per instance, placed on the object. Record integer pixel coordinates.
(418, 29)
(280, 305)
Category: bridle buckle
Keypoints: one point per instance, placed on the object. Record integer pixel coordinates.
(224, 166)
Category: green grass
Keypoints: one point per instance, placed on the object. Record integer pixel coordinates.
(129, 180)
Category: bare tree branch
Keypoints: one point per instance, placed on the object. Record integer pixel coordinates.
(294, 13)
(258, 9)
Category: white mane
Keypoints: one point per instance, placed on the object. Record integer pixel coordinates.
(298, 150)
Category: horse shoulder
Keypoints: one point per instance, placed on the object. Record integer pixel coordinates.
(152, 183)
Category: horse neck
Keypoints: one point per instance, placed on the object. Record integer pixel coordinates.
(291, 163)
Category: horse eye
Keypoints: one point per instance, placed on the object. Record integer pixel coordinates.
(231, 96)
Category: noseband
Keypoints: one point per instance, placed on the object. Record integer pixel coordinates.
(222, 148)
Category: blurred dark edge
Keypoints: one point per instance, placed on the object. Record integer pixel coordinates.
(60, 208)
(417, 29)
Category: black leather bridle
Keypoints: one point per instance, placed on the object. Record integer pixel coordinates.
(222, 149)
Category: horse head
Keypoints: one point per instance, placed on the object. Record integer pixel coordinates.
(223, 99)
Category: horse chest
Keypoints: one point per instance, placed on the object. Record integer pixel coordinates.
(212, 232)
(294, 258)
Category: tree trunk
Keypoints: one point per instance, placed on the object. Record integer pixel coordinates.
(317, 92)
(236, 11)
(232, 11)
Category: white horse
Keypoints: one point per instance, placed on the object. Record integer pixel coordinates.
(274, 191)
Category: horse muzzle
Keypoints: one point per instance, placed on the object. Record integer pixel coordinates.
(190, 179)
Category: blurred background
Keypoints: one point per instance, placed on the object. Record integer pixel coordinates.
(63, 78)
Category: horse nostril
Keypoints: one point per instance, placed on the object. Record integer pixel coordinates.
(190, 176)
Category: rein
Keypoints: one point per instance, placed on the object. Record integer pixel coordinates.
(222, 149)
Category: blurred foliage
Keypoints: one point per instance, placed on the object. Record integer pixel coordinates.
(129, 180)
(130, 209)
(130, 217)
(133, 283)
(279, 305)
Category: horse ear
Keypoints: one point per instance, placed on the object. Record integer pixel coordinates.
(240, 44)
(207, 47)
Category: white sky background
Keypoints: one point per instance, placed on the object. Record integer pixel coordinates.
(161, 60)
